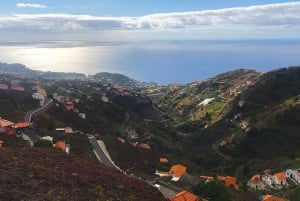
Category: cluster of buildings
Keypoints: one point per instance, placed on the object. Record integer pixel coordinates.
(18, 129)
(69, 104)
(40, 95)
(13, 87)
(135, 144)
(275, 181)
(229, 181)
(10, 128)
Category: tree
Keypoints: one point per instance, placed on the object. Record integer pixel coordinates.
(214, 190)
(295, 195)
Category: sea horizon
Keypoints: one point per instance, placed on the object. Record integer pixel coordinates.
(160, 61)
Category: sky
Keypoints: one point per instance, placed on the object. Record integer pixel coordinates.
(127, 20)
(150, 40)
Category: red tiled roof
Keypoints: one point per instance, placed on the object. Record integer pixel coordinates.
(60, 145)
(163, 160)
(229, 181)
(185, 196)
(255, 179)
(18, 88)
(273, 198)
(280, 176)
(22, 125)
(4, 123)
(178, 170)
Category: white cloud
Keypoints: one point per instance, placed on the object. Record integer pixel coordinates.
(30, 5)
(282, 19)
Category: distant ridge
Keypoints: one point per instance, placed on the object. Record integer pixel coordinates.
(22, 71)
(122, 80)
(113, 79)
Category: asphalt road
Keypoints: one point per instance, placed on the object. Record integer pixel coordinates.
(30, 114)
(217, 151)
(101, 154)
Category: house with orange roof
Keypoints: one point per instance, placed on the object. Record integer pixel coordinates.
(61, 145)
(3, 86)
(163, 160)
(272, 198)
(229, 181)
(17, 88)
(7, 127)
(177, 171)
(256, 183)
(280, 179)
(22, 125)
(186, 196)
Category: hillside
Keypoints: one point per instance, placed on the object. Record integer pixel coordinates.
(14, 103)
(23, 71)
(203, 102)
(46, 174)
(273, 116)
(237, 123)
(116, 79)
(112, 79)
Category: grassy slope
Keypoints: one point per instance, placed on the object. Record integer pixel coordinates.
(47, 174)
(274, 116)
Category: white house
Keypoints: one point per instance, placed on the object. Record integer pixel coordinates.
(294, 174)
(267, 179)
(206, 102)
(48, 138)
(82, 115)
(38, 96)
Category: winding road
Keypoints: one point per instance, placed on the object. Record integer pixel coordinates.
(100, 152)
(48, 103)
(215, 147)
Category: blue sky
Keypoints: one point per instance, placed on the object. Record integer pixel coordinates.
(123, 7)
(138, 20)
(152, 40)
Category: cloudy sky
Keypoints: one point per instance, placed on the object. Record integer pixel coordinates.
(150, 40)
(125, 20)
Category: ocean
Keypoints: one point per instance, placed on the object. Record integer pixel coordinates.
(163, 62)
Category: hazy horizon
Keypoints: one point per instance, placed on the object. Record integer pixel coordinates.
(163, 62)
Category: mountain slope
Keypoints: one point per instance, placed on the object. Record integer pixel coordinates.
(46, 174)
(272, 108)
(204, 102)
